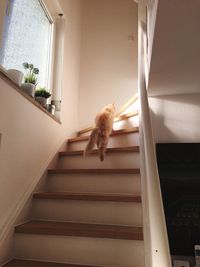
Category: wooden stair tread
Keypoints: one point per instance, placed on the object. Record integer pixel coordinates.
(94, 171)
(88, 196)
(118, 118)
(95, 151)
(81, 230)
(114, 133)
(29, 263)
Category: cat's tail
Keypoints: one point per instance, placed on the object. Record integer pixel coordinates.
(91, 142)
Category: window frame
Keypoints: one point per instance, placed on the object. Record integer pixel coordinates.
(51, 45)
(56, 12)
(53, 10)
(48, 62)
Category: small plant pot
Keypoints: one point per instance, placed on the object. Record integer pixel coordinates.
(15, 75)
(29, 88)
(41, 100)
(2, 69)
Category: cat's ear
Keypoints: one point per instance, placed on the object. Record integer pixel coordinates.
(113, 104)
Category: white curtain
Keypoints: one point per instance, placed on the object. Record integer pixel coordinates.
(58, 59)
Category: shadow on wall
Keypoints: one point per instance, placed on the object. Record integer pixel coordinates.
(175, 118)
(161, 131)
(189, 99)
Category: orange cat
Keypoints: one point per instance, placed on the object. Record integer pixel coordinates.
(103, 128)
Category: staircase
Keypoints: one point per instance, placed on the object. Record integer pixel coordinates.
(91, 211)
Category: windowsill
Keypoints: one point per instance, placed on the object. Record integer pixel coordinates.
(29, 98)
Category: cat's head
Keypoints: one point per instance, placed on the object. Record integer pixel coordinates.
(111, 107)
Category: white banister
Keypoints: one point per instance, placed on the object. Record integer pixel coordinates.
(155, 233)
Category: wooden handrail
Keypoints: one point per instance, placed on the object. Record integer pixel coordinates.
(126, 116)
(119, 116)
(127, 104)
(85, 130)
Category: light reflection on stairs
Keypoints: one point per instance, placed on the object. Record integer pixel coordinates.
(91, 212)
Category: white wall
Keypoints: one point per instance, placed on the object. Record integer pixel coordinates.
(30, 138)
(174, 75)
(108, 59)
(151, 20)
(175, 60)
(176, 118)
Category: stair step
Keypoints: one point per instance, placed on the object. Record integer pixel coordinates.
(119, 138)
(94, 171)
(29, 263)
(79, 250)
(88, 196)
(95, 151)
(114, 133)
(80, 230)
(125, 158)
(89, 211)
(95, 183)
(117, 119)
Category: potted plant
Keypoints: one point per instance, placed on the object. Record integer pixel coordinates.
(41, 96)
(15, 75)
(30, 78)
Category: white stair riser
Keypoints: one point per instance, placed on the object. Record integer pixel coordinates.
(124, 140)
(92, 161)
(80, 250)
(126, 124)
(100, 212)
(107, 183)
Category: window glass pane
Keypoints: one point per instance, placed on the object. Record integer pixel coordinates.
(26, 37)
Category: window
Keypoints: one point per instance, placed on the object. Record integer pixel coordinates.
(27, 37)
